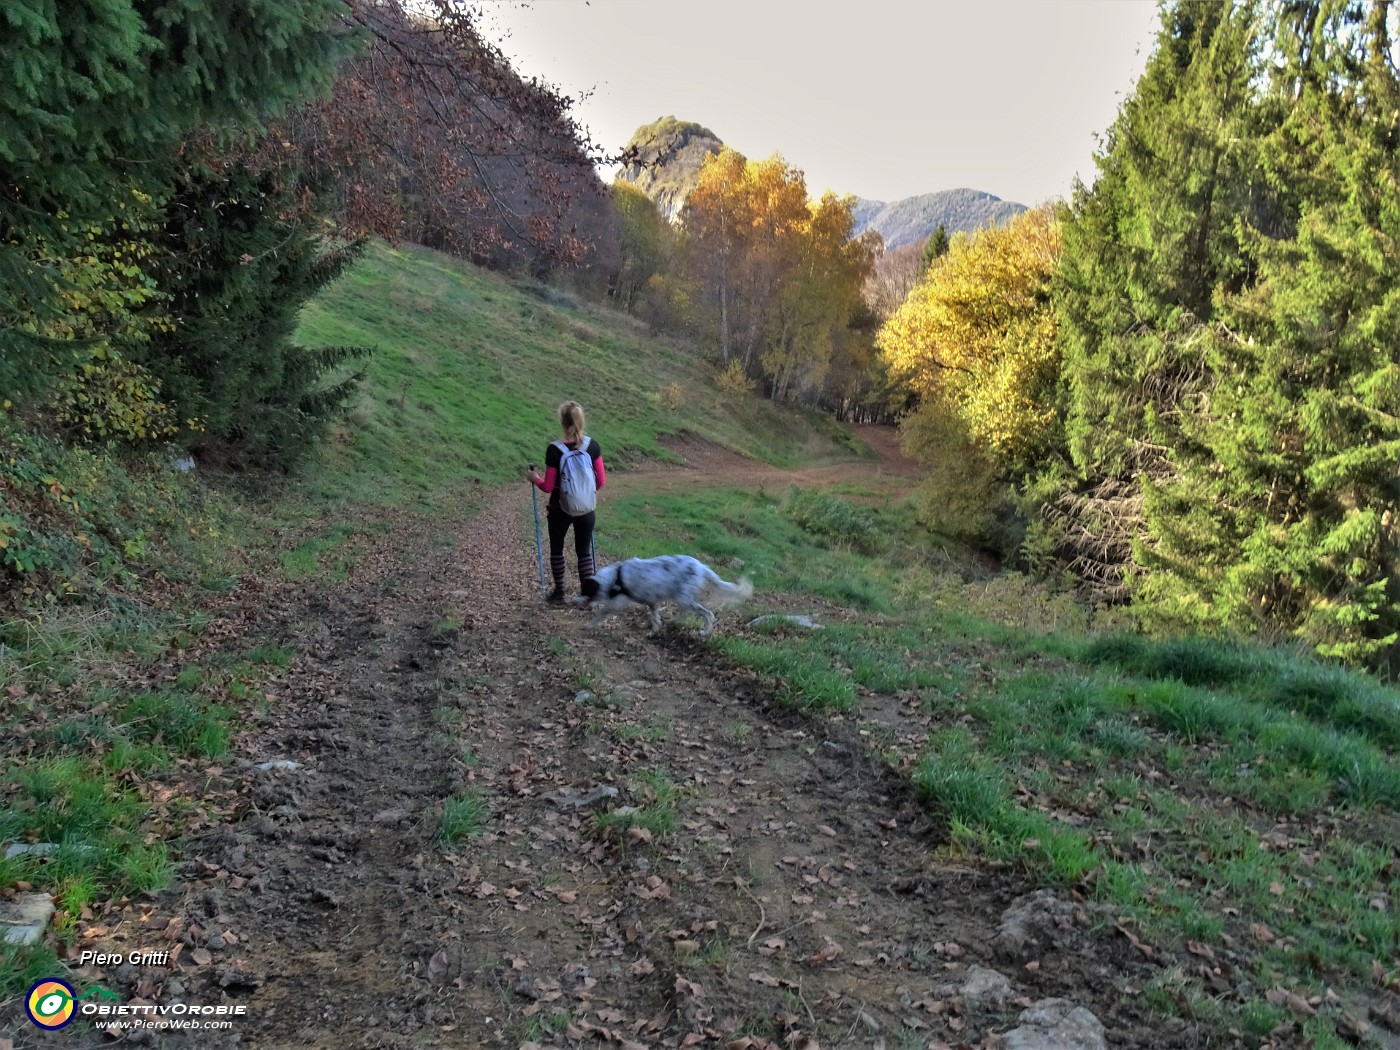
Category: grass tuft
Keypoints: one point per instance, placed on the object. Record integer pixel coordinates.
(462, 817)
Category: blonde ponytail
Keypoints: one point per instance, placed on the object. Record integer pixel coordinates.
(571, 419)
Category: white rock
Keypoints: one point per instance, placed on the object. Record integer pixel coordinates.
(578, 800)
(41, 849)
(984, 986)
(25, 918)
(805, 622)
(1055, 1024)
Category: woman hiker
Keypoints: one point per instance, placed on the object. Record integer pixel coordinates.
(573, 474)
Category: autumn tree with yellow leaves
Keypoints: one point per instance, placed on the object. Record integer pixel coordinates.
(777, 278)
(975, 342)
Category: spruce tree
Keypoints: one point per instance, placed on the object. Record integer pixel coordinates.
(1144, 253)
(1228, 294)
(94, 97)
(935, 247)
(240, 257)
(1286, 488)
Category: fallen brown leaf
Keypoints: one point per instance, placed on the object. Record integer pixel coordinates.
(1145, 949)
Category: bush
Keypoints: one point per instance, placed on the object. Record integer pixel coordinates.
(834, 520)
(962, 495)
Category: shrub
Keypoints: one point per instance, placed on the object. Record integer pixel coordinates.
(834, 520)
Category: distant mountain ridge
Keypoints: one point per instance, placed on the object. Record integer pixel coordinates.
(666, 156)
(912, 219)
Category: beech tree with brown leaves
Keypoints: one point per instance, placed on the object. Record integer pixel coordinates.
(430, 136)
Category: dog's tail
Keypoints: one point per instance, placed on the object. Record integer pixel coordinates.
(730, 593)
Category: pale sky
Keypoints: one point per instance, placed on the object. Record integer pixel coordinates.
(881, 98)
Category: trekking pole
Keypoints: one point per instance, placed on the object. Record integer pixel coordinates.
(539, 546)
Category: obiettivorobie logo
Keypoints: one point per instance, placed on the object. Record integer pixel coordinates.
(51, 1002)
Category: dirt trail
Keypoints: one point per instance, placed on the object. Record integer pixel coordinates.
(704, 463)
(797, 901)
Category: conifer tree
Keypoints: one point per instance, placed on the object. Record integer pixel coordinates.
(239, 259)
(94, 97)
(1228, 298)
(1282, 516)
(1144, 252)
(935, 247)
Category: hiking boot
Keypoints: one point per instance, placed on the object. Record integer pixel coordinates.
(556, 596)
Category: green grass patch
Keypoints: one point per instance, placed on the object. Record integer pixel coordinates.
(184, 723)
(1290, 681)
(462, 817)
(657, 813)
(326, 553)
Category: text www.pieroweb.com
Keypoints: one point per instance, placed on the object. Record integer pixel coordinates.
(172, 1017)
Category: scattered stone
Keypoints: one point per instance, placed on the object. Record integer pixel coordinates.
(25, 918)
(1055, 1024)
(264, 827)
(279, 763)
(585, 696)
(235, 979)
(980, 987)
(41, 849)
(579, 799)
(805, 622)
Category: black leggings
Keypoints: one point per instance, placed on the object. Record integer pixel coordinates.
(559, 523)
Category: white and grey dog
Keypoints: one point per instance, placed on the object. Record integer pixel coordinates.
(675, 578)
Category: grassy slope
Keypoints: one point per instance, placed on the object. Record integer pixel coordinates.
(469, 367)
(1226, 799)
